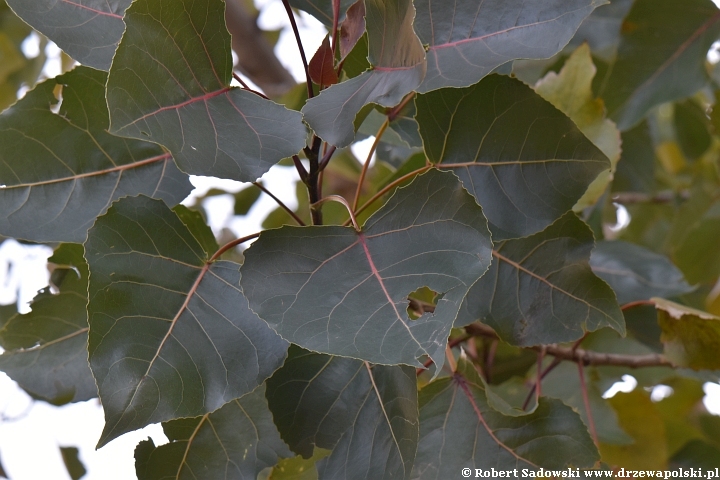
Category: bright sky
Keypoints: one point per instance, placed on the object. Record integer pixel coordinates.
(29, 444)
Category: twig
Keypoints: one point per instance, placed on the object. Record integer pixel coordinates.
(232, 244)
(291, 16)
(279, 202)
(451, 344)
(339, 199)
(326, 157)
(490, 360)
(378, 135)
(538, 380)
(246, 87)
(300, 168)
(637, 303)
(586, 401)
(392, 114)
(450, 359)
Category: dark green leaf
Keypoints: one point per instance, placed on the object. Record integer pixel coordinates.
(691, 337)
(46, 349)
(458, 429)
(366, 415)
(195, 222)
(636, 273)
(88, 30)
(540, 289)
(6, 313)
(237, 441)
(170, 84)
(170, 333)
(60, 169)
(72, 462)
(245, 199)
(696, 454)
(322, 9)
(334, 290)
(636, 168)
(661, 56)
(524, 160)
(693, 128)
(601, 30)
(397, 71)
(467, 40)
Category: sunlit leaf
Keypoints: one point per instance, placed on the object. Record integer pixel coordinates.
(46, 349)
(459, 430)
(170, 334)
(571, 92)
(636, 273)
(691, 337)
(366, 415)
(235, 442)
(298, 468)
(60, 168)
(88, 30)
(342, 292)
(172, 87)
(524, 160)
(467, 40)
(661, 56)
(540, 289)
(398, 66)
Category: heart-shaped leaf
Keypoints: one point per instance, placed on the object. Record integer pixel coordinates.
(458, 429)
(366, 415)
(88, 30)
(237, 441)
(398, 66)
(338, 291)
(172, 86)
(661, 56)
(322, 65)
(540, 289)
(59, 168)
(636, 273)
(523, 159)
(174, 338)
(46, 349)
(467, 39)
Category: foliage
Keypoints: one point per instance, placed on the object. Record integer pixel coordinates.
(462, 302)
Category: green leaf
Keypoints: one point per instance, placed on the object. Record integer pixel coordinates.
(88, 30)
(298, 468)
(524, 160)
(458, 429)
(636, 273)
(334, 290)
(366, 415)
(12, 59)
(170, 84)
(322, 9)
(691, 337)
(195, 222)
(467, 40)
(601, 30)
(72, 462)
(693, 128)
(540, 289)
(394, 73)
(696, 454)
(661, 57)
(636, 168)
(170, 332)
(571, 92)
(46, 349)
(237, 441)
(60, 168)
(245, 199)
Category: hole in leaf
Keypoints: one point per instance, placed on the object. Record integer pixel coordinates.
(57, 93)
(421, 301)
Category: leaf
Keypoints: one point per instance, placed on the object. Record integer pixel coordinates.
(639, 418)
(237, 441)
(72, 462)
(636, 273)
(60, 169)
(661, 57)
(3, 474)
(298, 468)
(337, 291)
(636, 168)
(174, 338)
(12, 59)
(245, 199)
(366, 415)
(571, 92)
(691, 337)
(322, 9)
(195, 222)
(394, 73)
(524, 160)
(352, 28)
(540, 289)
(88, 30)
(170, 84)
(601, 30)
(322, 65)
(458, 429)
(693, 128)
(468, 40)
(696, 454)
(46, 349)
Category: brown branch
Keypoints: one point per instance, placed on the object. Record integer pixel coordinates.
(586, 402)
(279, 202)
(293, 24)
(230, 245)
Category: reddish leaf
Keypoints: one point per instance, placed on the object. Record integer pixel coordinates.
(322, 66)
(352, 28)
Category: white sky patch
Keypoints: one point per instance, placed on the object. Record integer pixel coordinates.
(627, 384)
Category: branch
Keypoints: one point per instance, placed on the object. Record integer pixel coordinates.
(230, 245)
(291, 16)
(378, 136)
(279, 202)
